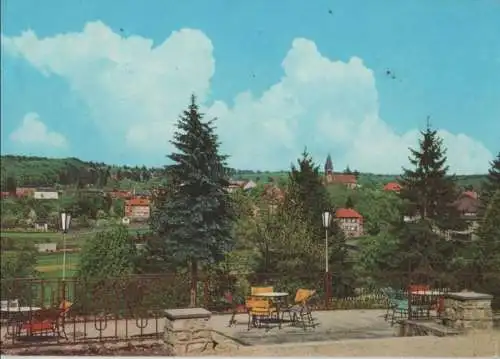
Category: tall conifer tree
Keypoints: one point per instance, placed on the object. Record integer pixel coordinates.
(428, 193)
(485, 251)
(308, 197)
(491, 184)
(195, 221)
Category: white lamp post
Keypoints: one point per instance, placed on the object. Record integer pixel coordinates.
(65, 223)
(327, 220)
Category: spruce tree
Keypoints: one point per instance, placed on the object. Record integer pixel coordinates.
(428, 193)
(308, 198)
(195, 221)
(492, 183)
(485, 251)
(306, 191)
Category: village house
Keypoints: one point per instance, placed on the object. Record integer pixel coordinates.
(249, 185)
(349, 180)
(392, 187)
(25, 191)
(137, 209)
(350, 221)
(468, 205)
(235, 185)
(243, 185)
(46, 193)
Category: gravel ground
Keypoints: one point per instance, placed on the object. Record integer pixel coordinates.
(478, 345)
(474, 345)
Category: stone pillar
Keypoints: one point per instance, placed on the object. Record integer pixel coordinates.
(467, 311)
(188, 330)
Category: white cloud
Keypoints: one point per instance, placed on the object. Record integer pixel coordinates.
(137, 90)
(33, 132)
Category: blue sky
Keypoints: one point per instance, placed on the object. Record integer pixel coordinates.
(106, 80)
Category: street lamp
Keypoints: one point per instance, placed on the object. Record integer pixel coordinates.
(65, 223)
(327, 220)
(409, 220)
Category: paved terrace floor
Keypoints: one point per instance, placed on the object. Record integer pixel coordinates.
(332, 325)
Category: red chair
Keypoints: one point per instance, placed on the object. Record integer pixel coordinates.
(439, 306)
(43, 321)
(48, 320)
(416, 288)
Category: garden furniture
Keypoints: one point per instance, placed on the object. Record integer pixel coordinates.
(301, 311)
(276, 298)
(398, 305)
(16, 316)
(42, 320)
(258, 290)
(431, 299)
(259, 310)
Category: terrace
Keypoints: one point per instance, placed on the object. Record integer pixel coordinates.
(132, 309)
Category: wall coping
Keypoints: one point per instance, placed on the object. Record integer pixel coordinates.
(187, 313)
(463, 296)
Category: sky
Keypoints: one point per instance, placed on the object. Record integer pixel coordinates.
(107, 80)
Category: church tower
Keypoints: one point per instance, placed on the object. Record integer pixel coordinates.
(329, 169)
(328, 165)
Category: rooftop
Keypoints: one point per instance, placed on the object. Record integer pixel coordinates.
(347, 213)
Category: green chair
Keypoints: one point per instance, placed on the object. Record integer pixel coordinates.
(398, 305)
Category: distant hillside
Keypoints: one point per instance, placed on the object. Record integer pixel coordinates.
(42, 171)
(364, 179)
(39, 171)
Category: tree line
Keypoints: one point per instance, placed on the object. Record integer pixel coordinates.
(22, 171)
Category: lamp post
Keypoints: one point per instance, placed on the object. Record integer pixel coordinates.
(65, 223)
(327, 220)
(407, 220)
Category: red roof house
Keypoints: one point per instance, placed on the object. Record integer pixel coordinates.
(392, 187)
(350, 221)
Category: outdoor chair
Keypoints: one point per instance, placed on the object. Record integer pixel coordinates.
(259, 310)
(229, 300)
(47, 320)
(438, 306)
(300, 311)
(398, 306)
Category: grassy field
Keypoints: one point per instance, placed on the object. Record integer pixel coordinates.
(51, 265)
(73, 239)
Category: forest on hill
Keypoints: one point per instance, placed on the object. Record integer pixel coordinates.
(29, 171)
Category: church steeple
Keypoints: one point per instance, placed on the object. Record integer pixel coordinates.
(328, 165)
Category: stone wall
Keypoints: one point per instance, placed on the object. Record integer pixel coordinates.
(466, 311)
(189, 331)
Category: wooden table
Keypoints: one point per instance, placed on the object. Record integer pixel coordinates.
(278, 297)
